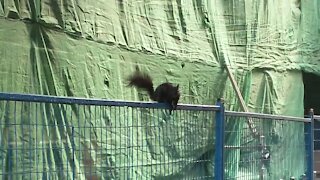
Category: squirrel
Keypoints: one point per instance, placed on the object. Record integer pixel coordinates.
(164, 93)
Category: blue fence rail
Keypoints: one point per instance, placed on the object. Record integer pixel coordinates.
(47, 137)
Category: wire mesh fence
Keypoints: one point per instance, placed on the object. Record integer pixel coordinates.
(81, 139)
(279, 150)
(45, 137)
(317, 146)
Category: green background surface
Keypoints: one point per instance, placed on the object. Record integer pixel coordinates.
(87, 48)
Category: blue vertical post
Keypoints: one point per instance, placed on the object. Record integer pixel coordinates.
(73, 155)
(309, 145)
(219, 146)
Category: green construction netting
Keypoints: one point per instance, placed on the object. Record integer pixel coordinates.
(87, 48)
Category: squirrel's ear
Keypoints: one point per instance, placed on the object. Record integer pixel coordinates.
(177, 86)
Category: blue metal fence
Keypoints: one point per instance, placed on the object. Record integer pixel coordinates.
(47, 137)
(317, 146)
(281, 148)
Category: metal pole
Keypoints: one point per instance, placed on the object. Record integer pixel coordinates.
(219, 146)
(262, 159)
(73, 155)
(309, 145)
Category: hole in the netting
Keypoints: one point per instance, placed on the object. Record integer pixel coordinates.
(312, 100)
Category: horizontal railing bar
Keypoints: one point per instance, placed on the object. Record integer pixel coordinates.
(98, 102)
(266, 116)
(242, 147)
(137, 104)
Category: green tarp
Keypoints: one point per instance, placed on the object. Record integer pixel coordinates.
(87, 48)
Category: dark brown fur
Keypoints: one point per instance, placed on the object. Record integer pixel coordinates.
(164, 93)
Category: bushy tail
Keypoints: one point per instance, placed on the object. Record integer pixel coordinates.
(143, 81)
